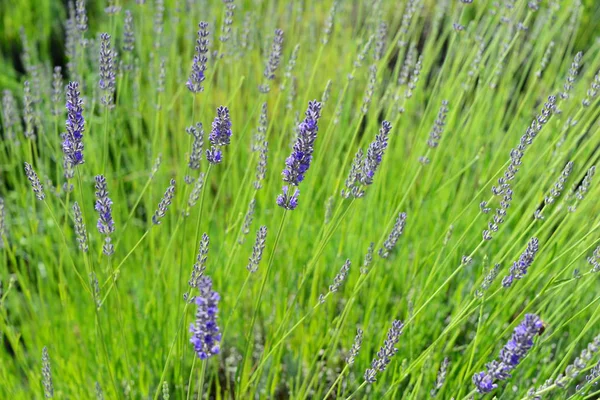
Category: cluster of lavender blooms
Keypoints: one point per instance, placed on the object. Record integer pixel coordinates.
(206, 335)
(75, 126)
(338, 281)
(355, 349)
(385, 353)
(364, 166)
(80, 230)
(220, 135)
(36, 185)
(519, 267)
(526, 140)
(299, 161)
(47, 374)
(273, 62)
(510, 355)
(197, 75)
(103, 206)
(108, 66)
(441, 377)
(257, 249)
(198, 268)
(165, 202)
(394, 235)
(28, 111)
(594, 260)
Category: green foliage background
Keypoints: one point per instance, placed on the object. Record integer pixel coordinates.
(136, 342)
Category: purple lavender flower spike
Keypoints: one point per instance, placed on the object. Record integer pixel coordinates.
(205, 332)
(197, 75)
(519, 268)
(511, 354)
(298, 162)
(73, 138)
(103, 206)
(220, 135)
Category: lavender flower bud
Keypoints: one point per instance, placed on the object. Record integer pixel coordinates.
(57, 91)
(364, 269)
(220, 135)
(128, 32)
(99, 392)
(36, 185)
(510, 355)
(257, 250)
(582, 189)
(394, 235)
(438, 127)
(545, 59)
(199, 267)
(385, 354)
(103, 206)
(559, 184)
(28, 111)
(594, 260)
(441, 377)
(341, 276)
(196, 191)
(592, 91)
(261, 132)
(75, 126)
(375, 153)
(370, 88)
(353, 353)
(10, 116)
(287, 200)
(273, 61)
(196, 154)
(487, 281)
(107, 71)
(80, 230)
(80, 16)
(205, 332)
(329, 23)
(226, 30)
(571, 76)
(380, 44)
(261, 167)
(197, 75)
(2, 225)
(47, 374)
(363, 53)
(326, 92)
(164, 204)
(247, 220)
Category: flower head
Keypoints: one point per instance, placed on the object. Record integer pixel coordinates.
(205, 332)
(73, 138)
(220, 135)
